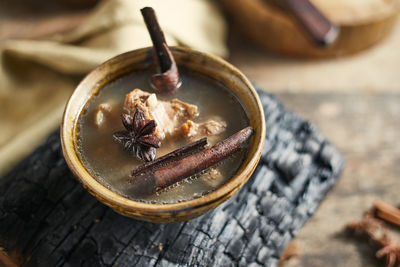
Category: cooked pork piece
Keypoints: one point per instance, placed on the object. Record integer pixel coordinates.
(213, 177)
(209, 128)
(169, 115)
(102, 111)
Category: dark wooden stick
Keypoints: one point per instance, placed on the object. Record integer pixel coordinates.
(172, 156)
(150, 182)
(157, 37)
(168, 81)
(319, 28)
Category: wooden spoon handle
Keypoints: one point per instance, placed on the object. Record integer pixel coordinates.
(157, 37)
(320, 29)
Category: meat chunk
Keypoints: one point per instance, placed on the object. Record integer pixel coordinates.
(102, 111)
(169, 115)
(212, 177)
(209, 128)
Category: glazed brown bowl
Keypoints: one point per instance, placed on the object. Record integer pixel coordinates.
(143, 59)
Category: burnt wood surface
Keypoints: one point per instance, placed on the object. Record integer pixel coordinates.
(48, 219)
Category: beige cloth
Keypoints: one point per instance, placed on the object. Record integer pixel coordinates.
(38, 76)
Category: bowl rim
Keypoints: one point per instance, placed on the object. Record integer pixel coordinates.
(120, 202)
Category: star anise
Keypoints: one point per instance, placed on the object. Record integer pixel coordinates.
(139, 138)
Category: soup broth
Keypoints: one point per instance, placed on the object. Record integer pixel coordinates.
(111, 165)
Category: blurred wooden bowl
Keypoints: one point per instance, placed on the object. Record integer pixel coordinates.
(362, 23)
(79, 4)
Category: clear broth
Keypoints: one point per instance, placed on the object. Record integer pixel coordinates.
(105, 159)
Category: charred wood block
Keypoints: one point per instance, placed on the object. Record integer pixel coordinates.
(48, 219)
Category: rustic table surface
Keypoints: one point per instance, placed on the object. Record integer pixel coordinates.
(355, 101)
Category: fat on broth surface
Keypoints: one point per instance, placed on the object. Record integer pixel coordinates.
(111, 165)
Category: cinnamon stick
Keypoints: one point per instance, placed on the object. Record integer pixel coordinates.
(174, 155)
(378, 234)
(149, 182)
(168, 81)
(387, 212)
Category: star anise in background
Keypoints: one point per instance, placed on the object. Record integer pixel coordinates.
(139, 138)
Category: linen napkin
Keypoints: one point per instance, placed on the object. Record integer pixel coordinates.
(38, 76)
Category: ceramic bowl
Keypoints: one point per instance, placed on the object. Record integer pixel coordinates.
(143, 59)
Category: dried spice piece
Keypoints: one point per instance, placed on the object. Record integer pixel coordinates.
(292, 250)
(386, 212)
(172, 156)
(149, 182)
(168, 81)
(378, 234)
(138, 139)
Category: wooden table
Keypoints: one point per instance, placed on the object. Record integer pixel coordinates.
(355, 101)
